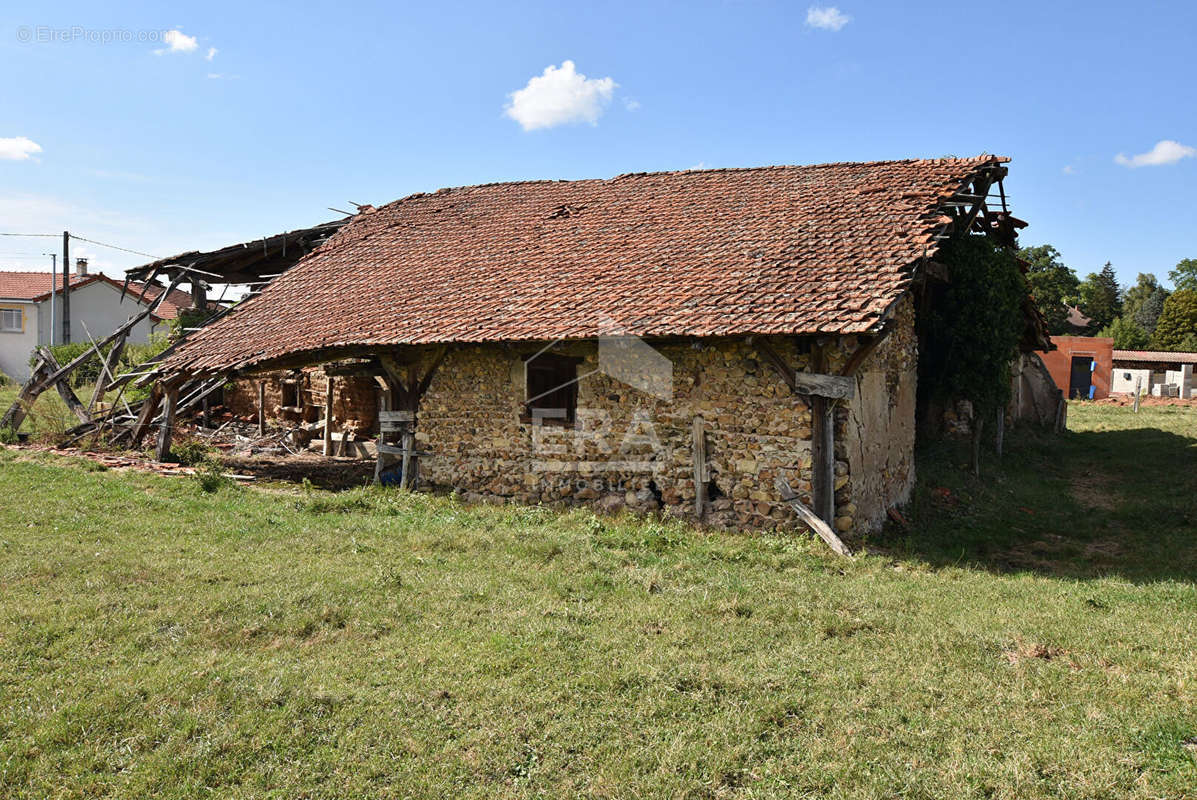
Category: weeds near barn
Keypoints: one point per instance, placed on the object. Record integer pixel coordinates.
(159, 640)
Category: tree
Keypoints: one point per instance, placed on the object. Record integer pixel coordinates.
(1126, 334)
(1134, 297)
(1185, 274)
(1149, 313)
(1101, 297)
(1177, 320)
(1052, 285)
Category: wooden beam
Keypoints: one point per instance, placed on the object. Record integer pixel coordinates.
(27, 396)
(701, 473)
(166, 429)
(261, 408)
(811, 383)
(866, 350)
(149, 409)
(821, 528)
(108, 370)
(328, 415)
(822, 411)
(64, 388)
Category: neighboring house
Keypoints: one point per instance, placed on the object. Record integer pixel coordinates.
(96, 308)
(1157, 372)
(1081, 365)
(675, 341)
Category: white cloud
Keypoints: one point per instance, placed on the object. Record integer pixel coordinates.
(177, 42)
(212, 51)
(18, 148)
(1068, 169)
(560, 96)
(1165, 151)
(828, 19)
(631, 105)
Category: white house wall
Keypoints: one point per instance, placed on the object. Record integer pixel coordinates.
(15, 348)
(99, 306)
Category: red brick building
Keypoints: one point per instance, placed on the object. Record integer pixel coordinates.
(1081, 366)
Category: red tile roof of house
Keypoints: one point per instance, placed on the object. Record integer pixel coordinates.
(1155, 356)
(34, 287)
(769, 250)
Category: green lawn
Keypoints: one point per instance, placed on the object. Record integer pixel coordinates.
(1034, 636)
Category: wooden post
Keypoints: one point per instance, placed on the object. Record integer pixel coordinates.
(978, 427)
(701, 475)
(1138, 389)
(66, 288)
(108, 370)
(64, 388)
(405, 481)
(823, 458)
(1000, 436)
(166, 430)
(261, 408)
(328, 415)
(149, 409)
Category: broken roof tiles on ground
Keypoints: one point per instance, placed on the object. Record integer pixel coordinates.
(770, 250)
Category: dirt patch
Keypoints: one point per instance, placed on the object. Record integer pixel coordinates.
(1093, 490)
(1023, 651)
(321, 472)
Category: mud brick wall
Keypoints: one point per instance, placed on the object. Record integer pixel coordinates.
(355, 401)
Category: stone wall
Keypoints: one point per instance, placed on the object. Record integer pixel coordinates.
(633, 447)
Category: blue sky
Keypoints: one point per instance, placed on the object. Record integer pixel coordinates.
(300, 109)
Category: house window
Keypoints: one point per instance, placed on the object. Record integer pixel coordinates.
(552, 388)
(10, 320)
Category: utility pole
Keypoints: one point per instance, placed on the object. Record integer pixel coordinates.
(66, 287)
(53, 284)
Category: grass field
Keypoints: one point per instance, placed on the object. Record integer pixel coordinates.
(1034, 635)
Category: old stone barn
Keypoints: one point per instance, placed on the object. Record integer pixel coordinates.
(671, 341)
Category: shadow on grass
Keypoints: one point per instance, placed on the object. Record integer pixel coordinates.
(1084, 504)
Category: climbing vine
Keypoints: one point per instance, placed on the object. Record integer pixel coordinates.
(975, 327)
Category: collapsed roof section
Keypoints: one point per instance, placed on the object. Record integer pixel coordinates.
(249, 262)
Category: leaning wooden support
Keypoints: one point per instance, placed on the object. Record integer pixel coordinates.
(64, 388)
(821, 528)
(148, 409)
(20, 407)
(166, 429)
(328, 415)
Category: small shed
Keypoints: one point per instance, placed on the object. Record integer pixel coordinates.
(1081, 366)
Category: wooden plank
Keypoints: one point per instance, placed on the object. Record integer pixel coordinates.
(64, 388)
(26, 397)
(1000, 436)
(148, 409)
(821, 528)
(701, 475)
(812, 383)
(108, 370)
(405, 478)
(166, 429)
(261, 408)
(1138, 390)
(822, 412)
(329, 394)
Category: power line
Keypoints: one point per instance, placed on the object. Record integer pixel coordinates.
(114, 247)
(42, 235)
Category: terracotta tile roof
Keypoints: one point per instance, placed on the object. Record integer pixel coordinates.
(766, 250)
(175, 302)
(1155, 355)
(33, 286)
